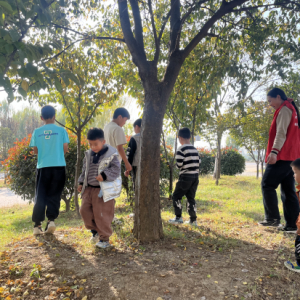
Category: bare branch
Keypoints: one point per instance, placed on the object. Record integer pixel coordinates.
(68, 111)
(225, 8)
(65, 126)
(154, 32)
(175, 25)
(137, 51)
(138, 27)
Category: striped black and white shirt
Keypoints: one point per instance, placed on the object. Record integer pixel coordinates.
(188, 159)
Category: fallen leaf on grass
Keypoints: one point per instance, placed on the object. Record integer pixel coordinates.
(245, 283)
(84, 298)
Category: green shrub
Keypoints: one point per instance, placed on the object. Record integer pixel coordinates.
(232, 162)
(207, 161)
(21, 168)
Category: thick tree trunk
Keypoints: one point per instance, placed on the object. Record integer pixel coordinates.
(77, 172)
(148, 224)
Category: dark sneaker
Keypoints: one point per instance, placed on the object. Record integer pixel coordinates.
(272, 223)
(292, 267)
(176, 221)
(288, 229)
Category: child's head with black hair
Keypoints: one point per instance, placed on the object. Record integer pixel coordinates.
(137, 125)
(121, 115)
(184, 136)
(95, 137)
(296, 168)
(48, 114)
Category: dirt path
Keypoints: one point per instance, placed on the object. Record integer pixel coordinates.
(168, 270)
(8, 198)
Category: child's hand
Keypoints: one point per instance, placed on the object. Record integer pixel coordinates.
(79, 189)
(99, 178)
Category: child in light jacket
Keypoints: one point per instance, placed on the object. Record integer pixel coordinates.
(99, 184)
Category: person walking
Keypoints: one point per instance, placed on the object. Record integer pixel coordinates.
(283, 148)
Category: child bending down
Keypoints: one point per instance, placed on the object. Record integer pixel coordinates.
(99, 184)
(296, 268)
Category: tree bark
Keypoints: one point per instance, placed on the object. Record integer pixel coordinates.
(77, 171)
(67, 205)
(257, 164)
(217, 171)
(262, 169)
(148, 224)
(171, 181)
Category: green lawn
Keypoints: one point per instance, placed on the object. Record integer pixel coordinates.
(225, 209)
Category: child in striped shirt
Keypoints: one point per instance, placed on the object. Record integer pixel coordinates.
(188, 161)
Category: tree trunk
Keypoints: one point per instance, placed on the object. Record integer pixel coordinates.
(77, 172)
(67, 205)
(148, 224)
(171, 181)
(217, 171)
(257, 163)
(262, 169)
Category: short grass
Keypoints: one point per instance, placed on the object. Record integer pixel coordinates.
(226, 215)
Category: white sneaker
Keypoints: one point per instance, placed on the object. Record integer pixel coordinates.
(50, 228)
(94, 239)
(191, 223)
(37, 230)
(103, 245)
(116, 221)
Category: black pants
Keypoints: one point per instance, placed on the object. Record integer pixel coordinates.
(280, 173)
(186, 186)
(49, 186)
(297, 249)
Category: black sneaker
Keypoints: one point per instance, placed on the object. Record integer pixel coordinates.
(288, 229)
(272, 223)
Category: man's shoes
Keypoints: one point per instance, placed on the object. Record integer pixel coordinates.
(103, 244)
(50, 227)
(271, 223)
(176, 221)
(292, 267)
(192, 223)
(94, 239)
(288, 229)
(37, 230)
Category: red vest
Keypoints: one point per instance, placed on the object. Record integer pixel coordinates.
(291, 147)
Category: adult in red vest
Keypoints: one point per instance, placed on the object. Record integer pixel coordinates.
(283, 148)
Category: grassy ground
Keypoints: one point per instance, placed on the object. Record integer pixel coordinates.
(227, 257)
